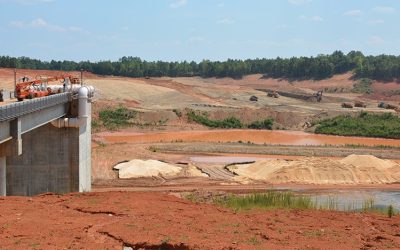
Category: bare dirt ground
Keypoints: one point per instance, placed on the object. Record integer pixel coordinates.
(112, 220)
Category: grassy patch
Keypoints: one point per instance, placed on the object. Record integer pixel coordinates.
(253, 241)
(366, 124)
(273, 199)
(363, 86)
(230, 122)
(114, 118)
(268, 200)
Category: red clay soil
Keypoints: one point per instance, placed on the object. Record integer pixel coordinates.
(158, 221)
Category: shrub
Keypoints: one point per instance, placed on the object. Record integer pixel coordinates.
(177, 112)
(117, 117)
(365, 124)
(265, 124)
(390, 211)
(363, 86)
(230, 122)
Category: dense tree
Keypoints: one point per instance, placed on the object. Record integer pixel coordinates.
(382, 67)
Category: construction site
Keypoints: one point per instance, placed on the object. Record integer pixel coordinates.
(160, 157)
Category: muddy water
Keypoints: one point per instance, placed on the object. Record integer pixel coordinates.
(354, 199)
(276, 137)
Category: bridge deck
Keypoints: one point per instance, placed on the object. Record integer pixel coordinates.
(12, 110)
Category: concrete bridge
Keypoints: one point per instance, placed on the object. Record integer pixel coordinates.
(45, 144)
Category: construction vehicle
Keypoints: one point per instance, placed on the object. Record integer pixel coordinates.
(387, 106)
(273, 94)
(347, 105)
(38, 88)
(253, 98)
(318, 96)
(360, 104)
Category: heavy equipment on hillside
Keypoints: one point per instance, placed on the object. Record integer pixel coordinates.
(27, 89)
(318, 96)
(273, 94)
(360, 104)
(347, 105)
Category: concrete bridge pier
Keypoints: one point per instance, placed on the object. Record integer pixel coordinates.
(45, 144)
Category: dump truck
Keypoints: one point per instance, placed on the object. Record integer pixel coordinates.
(347, 105)
(360, 104)
(254, 98)
(273, 94)
(384, 105)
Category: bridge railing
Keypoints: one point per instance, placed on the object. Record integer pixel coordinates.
(14, 110)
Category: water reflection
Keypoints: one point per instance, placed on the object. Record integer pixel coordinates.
(354, 199)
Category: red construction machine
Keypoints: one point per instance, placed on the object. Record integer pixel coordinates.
(27, 89)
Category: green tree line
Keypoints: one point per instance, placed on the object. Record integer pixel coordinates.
(382, 67)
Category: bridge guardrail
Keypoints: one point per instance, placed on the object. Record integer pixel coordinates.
(14, 110)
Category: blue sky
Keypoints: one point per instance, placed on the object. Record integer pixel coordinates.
(196, 29)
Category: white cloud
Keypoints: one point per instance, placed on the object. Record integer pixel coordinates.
(299, 2)
(376, 22)
(226, 21)
(178, 3)
(384, 9)
(353, 13)
(376, 40)
(312, 18)
(40, 23)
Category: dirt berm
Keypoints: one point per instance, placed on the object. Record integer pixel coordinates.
(354, 169)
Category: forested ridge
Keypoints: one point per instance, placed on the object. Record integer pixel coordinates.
(382, 67)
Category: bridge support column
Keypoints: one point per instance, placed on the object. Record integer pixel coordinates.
(85, 154)
(3, 176)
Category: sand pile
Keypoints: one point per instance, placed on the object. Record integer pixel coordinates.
(354, 169)
(368, 161)
(193, 171)
(149, 168)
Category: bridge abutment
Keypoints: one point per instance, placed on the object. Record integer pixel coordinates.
(49, 162)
